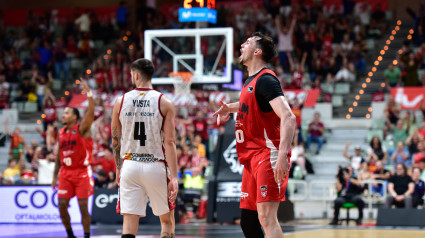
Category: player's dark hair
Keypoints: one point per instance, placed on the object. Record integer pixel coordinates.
(102, 173)
(267, 46)
(76, 112)
(144, 67)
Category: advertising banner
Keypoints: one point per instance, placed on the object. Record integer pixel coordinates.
(227, 164)
(409, 97)
(34, 204)
(227, 201)
(104, 209)
(225, 190)
(197, 14)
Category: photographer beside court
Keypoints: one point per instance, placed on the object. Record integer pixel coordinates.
(349, 189)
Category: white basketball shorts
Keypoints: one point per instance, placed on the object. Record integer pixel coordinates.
(140, 180)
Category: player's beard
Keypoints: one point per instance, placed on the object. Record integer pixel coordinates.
(64, 122)
(243, 59)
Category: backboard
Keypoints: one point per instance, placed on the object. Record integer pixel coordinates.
(205, 52)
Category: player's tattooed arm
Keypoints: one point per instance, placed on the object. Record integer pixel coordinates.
(116, 134)
(167, 235)
(116, 146)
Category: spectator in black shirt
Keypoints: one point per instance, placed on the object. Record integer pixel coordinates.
(377, 152)
(400, 188)
(349, 190)
(26, 87)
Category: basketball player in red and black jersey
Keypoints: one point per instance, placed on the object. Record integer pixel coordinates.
(264, 130)
(72, 166)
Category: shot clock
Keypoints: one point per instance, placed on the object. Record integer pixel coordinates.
(187, 4)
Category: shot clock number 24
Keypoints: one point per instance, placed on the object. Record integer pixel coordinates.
(199, 3)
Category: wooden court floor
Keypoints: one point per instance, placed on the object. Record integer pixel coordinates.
(358, 233)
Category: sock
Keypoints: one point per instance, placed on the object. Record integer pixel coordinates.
(250, 224)
(128, 236)
(70, 233)
(86, 234)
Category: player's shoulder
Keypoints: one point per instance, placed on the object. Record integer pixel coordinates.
(268, 80)
(164, 100)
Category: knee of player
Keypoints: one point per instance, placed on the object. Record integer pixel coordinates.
(266, 219)
(63, 205)
(166, 221)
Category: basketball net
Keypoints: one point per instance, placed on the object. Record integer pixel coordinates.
(182, 82)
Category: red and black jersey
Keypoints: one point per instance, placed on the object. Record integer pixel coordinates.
(256, 130)
(75, 150)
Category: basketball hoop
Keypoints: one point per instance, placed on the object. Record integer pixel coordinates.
(181, 81)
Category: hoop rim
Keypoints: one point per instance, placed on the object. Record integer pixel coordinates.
(185, 76)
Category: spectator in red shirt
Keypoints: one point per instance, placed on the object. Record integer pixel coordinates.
(297, 72)
(420, 155)
(4, 98)
(422, 129)
(197, 160)
(104, 130)
(99, 107)
(17, 142)
(100, 76)
(72, 47)
(296, 109)
(201, 128)
(49, 111)
(185, 159)
(315, 132)
(106, 161)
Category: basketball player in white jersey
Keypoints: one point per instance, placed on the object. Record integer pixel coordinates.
(142, 130)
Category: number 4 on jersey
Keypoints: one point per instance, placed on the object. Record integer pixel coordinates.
(139, 132)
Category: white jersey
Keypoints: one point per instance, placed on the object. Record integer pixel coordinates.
(141, 122)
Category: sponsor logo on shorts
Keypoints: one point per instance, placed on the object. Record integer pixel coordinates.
(263, 190)
(244, 195)
(62, 191)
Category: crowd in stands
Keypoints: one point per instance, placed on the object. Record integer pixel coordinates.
(394, 161)
(411, 68)
(315, 47)
(35, 56)
(395, 158)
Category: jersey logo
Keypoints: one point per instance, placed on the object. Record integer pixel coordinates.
(244, 195)
(250, 89)
(263, 190)
(73, 132)
(142, 94)
(238, 123)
